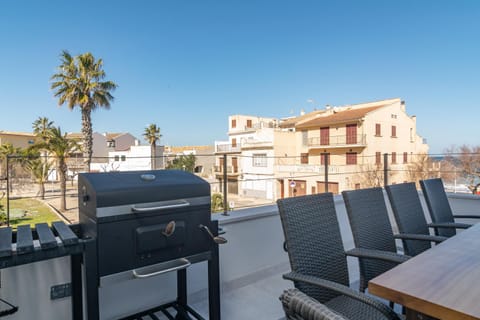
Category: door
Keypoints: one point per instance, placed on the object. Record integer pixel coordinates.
(235, 164)
(297, 188)
(220, 169)
(332, 187)
(325, 136)
(351, 133)
(282, 188)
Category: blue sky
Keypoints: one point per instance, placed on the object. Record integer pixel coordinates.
(187, 65)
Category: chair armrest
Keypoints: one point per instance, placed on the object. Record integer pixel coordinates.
(298, 305)
(455, 225)
(377, 254)
(344, 290)
(467, 216)
(420, 237)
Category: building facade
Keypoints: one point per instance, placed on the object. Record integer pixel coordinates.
(352, 140)
(17, 139)
(134, 158)
(337, 148)
(246, 157)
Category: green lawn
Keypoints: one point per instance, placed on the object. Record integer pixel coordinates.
(28, 211)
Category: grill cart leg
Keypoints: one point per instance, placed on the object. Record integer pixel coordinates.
(182, 295)
(77, 294)
(214, 281)
(91, 279)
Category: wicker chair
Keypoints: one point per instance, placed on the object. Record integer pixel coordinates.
(318, 261)
(371, 231)
(440, 210)
(410, 218)
(299, 306)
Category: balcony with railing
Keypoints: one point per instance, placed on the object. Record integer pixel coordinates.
(230, 169)
(227, 147)
(358, 140)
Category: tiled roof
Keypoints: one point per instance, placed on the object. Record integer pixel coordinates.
(74, 135)
(112, 136)
(291, 122)
(187, 148)
(12, 133)
(108, 136)
(340, 116)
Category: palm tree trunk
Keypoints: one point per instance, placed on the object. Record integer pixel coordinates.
(42, 190)
(153, 155)
(87, 136)
(62, 169)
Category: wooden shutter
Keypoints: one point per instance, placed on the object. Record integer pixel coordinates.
(325, 136)
(351, 133)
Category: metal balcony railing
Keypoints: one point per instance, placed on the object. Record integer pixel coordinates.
(230, 169)
(337, 141)
(227, 148)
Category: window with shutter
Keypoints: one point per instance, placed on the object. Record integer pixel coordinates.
(351, 158)
(394, 131)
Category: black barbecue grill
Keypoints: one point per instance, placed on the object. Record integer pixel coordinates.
(146, 223)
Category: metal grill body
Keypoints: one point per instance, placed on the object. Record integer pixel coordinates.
(144, 223)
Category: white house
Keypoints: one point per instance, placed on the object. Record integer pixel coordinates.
(135, 158)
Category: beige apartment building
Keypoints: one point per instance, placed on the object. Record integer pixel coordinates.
(353, 140)
(17, 139)
(269, 158)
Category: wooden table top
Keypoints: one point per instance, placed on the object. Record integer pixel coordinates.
(443, 282)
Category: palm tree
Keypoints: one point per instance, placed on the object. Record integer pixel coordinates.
(79, 83)
(41, 126)
(60, 147)
(7, 150)
(152, 135)
(39, 170)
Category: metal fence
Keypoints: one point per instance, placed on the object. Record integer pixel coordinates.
(240, 181)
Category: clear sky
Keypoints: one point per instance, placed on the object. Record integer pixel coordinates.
(187, 65)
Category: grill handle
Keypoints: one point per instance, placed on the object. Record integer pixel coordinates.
(184, 264)
(179, 204)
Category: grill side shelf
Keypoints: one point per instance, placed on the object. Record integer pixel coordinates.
(5, 242)
(20, 247)
(65, 233)
(45, 236)
(24, 239)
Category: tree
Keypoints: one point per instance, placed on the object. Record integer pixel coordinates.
(7, 150)
(182, 162)
(39, 170)
(420, 168)
(370, 176)
(79, 83)
(152, 135)
(41, 126)
(60, 147)
(466, 161)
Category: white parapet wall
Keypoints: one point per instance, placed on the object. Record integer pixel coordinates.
(254, 251)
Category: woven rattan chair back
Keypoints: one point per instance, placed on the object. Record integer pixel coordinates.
(409, 215)
(438, 205)
(371, 229)
(314, 243)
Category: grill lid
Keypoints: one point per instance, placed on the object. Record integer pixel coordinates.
(108, 189)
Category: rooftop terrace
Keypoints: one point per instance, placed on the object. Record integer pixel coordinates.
(251, 265)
